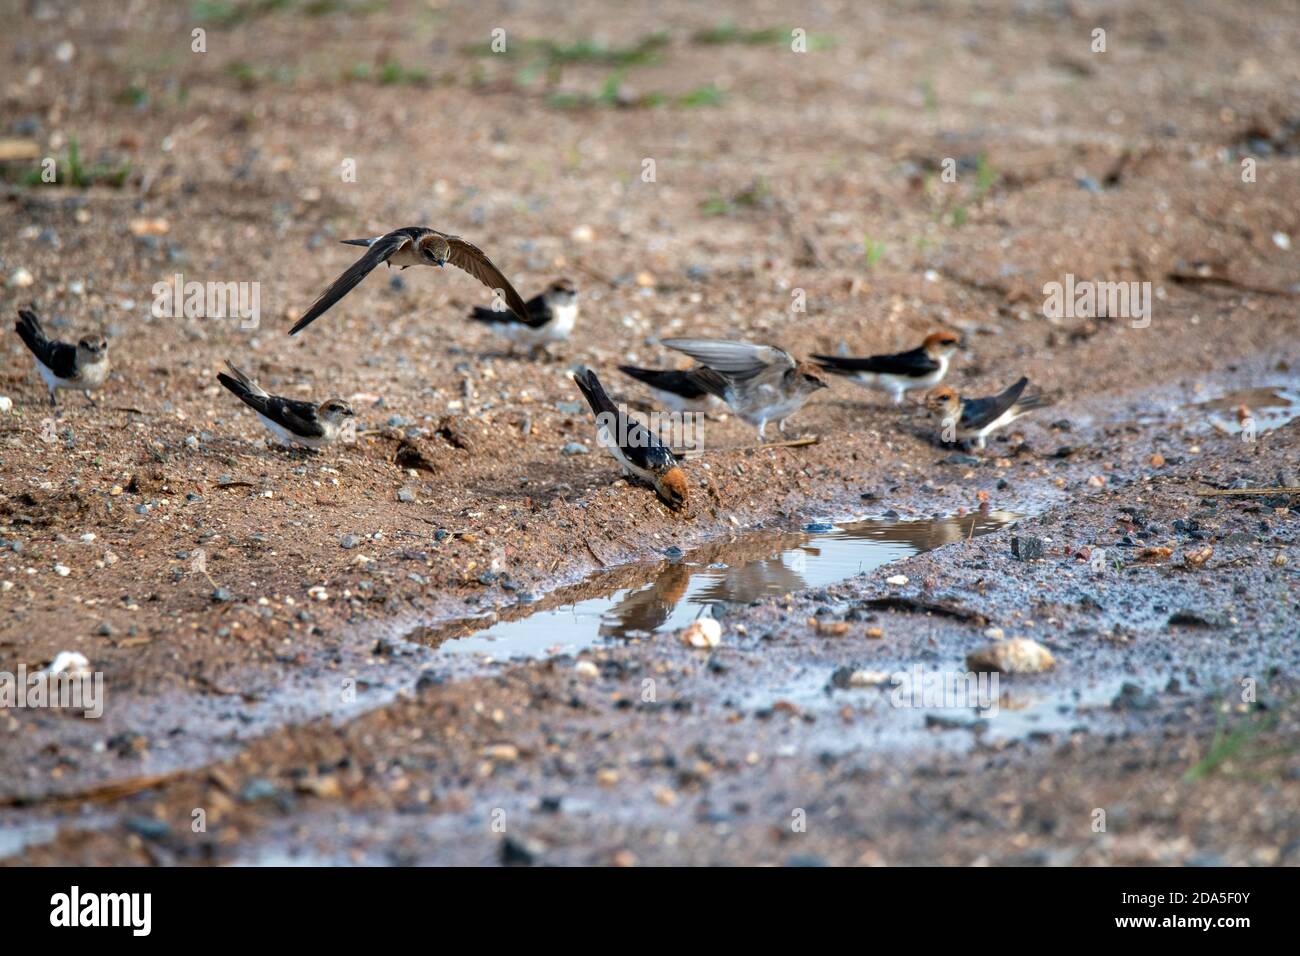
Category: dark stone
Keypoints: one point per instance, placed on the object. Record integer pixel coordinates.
(257, 789)
(1188, 618)
(148, 828)
(516, 853)
(1133, 697)
(1026, 547)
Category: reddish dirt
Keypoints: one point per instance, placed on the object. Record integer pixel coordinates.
(817, 172)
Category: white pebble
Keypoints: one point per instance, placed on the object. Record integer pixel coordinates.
(70, 662)
(706, 632)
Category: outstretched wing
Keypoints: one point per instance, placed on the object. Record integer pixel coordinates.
(735, 360)
(465, 255)
(381, 250)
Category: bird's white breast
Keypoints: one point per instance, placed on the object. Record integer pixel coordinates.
(288, 437)
(563, 318)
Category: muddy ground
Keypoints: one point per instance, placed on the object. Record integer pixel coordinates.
(292, 688)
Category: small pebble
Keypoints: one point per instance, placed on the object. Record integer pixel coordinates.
(704, 633)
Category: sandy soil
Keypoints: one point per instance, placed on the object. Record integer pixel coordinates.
(774, 172)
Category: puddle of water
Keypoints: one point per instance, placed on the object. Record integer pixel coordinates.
(670, 595)
(1263, 409)
(1267, 407)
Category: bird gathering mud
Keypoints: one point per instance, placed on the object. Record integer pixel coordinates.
(459, 636)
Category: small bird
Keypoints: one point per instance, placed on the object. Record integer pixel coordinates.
(291, 421)
(964, 419)
(414, 246)
(632, 444)
(677, 390)
(902, 372)
(82, 367)
(551, 317)
(760, 383)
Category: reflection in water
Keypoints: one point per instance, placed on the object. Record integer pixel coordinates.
(642, 599)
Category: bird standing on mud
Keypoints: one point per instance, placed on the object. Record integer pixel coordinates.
(291, 421)
(551, 317)
(899, 373)
(415, 246)
(632, 444)
(974, 419)
(761, 383)
(81, 367)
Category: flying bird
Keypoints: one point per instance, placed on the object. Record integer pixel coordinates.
(291, 421)
(415, 246)
(632, 444)
(920, 368)
(82, 367)
(550, 317)
(967, 419)
(761, 383)
(678, 390)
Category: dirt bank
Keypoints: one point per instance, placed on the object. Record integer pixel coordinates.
(255, 610)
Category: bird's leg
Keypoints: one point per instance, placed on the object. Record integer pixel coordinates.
(780, 426)
(762, 430)
(898, 396)
(53, 401)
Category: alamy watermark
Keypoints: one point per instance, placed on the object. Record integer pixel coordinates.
(208, 300)
(959, 690)
(682, 432)
(53, 689)
(1085, 299)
